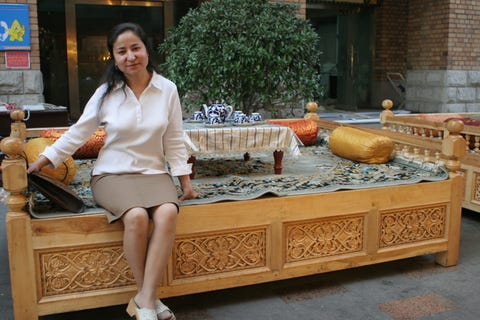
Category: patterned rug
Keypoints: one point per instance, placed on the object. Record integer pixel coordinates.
(234, 179)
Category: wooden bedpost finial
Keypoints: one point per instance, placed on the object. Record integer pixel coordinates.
(17, 115)
(18, 128)
(387, 104)
(454, 145)
(312, 107)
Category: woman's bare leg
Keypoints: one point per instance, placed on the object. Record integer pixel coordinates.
(159, 250)
(135, 241)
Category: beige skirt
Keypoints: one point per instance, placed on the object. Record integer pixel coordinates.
(117, 193)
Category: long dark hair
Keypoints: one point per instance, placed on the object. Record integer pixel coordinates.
(113, 75)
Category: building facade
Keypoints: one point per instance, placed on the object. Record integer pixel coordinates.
(424, 55)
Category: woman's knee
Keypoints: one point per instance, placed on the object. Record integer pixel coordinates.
(136, 219)
(165, 214)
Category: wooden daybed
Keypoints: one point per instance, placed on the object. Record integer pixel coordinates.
(433, 125)
(74, 263)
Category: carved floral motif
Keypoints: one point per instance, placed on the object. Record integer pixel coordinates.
(324, 237)
(218, 253)
(412, 225)
(476, 187)
(84, 270)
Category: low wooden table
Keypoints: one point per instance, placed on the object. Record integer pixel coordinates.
(232, 140)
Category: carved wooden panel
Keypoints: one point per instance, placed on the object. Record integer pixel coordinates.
(476, 187)
(412, 225)
(324, 237)
(219, 252)
(84, 269)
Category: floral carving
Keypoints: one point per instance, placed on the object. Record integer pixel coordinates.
(218, 253)
(324, 237)
(476, 188)
(412, 225)
(86, 269)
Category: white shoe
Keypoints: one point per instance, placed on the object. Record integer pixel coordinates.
(160, 308)
(140, 313)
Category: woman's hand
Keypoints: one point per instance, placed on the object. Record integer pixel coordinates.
(188, 192)
(38, 164)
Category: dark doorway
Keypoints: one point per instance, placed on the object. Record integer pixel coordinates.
(73, 35)
(346, 37)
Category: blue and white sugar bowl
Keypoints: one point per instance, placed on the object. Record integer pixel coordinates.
(241, 118)
(197, 116)
(255, 117)
(235, 114)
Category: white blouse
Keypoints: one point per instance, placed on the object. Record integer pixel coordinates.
(142, 135)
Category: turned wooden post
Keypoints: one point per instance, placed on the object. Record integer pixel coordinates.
(312, 107)
(277, 156)
(14, 173)
(386, 105)
(454, 145)
(20, 253)
(453, 148)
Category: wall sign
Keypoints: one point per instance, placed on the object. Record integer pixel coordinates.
(17, 59)
(14, 27)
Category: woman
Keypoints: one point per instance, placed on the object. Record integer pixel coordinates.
(142, 117)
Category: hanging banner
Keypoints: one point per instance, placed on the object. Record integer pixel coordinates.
(14, 27)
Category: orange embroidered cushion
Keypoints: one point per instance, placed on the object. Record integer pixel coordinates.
(306, 130)
(89, 150)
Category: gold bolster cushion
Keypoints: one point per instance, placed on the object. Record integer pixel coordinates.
(361, 146)
(64, 173)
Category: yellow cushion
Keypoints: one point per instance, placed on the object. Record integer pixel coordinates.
(361, 146)
(63, 173)
(89, 150)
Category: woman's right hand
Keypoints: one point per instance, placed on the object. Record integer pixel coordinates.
(38, 164)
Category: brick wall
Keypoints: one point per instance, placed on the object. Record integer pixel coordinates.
(34, 42)
(428, 32)
(302, 6)
(443, 56)
(390, 38)
(464, 35)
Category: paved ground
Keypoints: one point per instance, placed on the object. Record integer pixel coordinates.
(413, 288)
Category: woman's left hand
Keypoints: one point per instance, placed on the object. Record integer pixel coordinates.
(189, 193)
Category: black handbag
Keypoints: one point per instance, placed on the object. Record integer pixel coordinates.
(56, 192)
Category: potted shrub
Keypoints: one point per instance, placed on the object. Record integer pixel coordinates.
(252, 54)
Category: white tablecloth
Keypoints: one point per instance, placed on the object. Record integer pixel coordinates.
(237, 140)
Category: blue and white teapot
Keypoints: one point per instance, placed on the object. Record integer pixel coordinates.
(222, 110)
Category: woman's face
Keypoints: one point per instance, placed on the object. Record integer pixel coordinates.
(130, 54)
